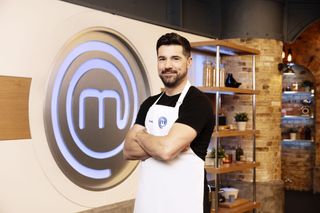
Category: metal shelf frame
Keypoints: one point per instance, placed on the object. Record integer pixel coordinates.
(218, 49)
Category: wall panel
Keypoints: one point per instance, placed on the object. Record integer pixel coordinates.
(14, 108)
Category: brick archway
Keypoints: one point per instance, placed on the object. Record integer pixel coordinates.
(306, 52)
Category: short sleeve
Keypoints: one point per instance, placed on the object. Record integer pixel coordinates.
(196, 112)
(144, 108)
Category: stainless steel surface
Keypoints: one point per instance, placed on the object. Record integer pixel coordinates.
(254, 190)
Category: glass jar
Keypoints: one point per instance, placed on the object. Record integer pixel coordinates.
(208, 74)
(295, 86)
(222, 76)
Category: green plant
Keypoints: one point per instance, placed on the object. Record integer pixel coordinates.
(307, 83)
(241, 116)
(292, 130)
(221, 153)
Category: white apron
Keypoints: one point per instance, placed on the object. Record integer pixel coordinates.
(169, 187)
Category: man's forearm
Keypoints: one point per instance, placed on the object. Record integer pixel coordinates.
(152, 145)
(132, 150)
(169, 146)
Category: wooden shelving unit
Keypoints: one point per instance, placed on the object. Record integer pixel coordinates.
(239, 209)
(234, 133)
(297, 117)
(297, 140)
(298, 92)
(228, 90)
(226, 48)
(231, 167)
(217, 49)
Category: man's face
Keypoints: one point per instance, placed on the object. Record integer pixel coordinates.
(172, 65)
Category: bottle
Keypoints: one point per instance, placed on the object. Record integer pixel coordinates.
(222, 76)
(208, 73)
(231, 82)
(307, 133)
(239, 153)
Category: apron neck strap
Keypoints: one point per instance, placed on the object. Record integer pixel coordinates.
(184, 92)
(182, 95)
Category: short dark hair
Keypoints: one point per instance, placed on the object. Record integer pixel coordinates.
(175, 39)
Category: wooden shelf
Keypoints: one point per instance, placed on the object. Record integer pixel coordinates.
(297, 93)
(234, 133)
(227, 90)
(231, 167)
(297, 140)
(297, 117)
(239, 209)
(209, 47)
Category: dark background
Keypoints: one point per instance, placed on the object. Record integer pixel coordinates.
(276, 19)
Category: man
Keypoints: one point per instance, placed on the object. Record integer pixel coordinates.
(171, 135)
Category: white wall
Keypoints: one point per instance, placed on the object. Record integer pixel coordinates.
(31, 35)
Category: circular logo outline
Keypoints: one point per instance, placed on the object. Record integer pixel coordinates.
(89, 172)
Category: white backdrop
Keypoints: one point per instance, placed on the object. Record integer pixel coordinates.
(31, 35)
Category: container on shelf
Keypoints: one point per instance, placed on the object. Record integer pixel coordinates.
(208, 74)
(231, 82)
(241, 125)
(293, 135)
(307, 133)
(222, 76)
(295, 86)
(239, 153)
(230, 191)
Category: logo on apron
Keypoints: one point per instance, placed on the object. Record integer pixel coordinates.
(162, 122)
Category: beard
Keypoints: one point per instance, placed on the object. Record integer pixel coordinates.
(174, 79)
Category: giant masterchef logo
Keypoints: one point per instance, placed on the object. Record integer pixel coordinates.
(92, 102)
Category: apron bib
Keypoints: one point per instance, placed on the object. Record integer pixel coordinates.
(169, 187)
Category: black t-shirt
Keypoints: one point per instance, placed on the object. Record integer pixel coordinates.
(195, 111)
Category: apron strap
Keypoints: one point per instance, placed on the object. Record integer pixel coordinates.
(183, 93)
(181, 97)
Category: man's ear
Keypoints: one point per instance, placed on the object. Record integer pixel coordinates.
(189, 62)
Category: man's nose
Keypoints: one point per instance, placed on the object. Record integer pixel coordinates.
(168, 64)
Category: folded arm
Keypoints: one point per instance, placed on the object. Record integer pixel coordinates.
(167, 147)
(132, 150)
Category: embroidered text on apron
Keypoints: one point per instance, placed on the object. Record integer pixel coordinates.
(175, 186)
